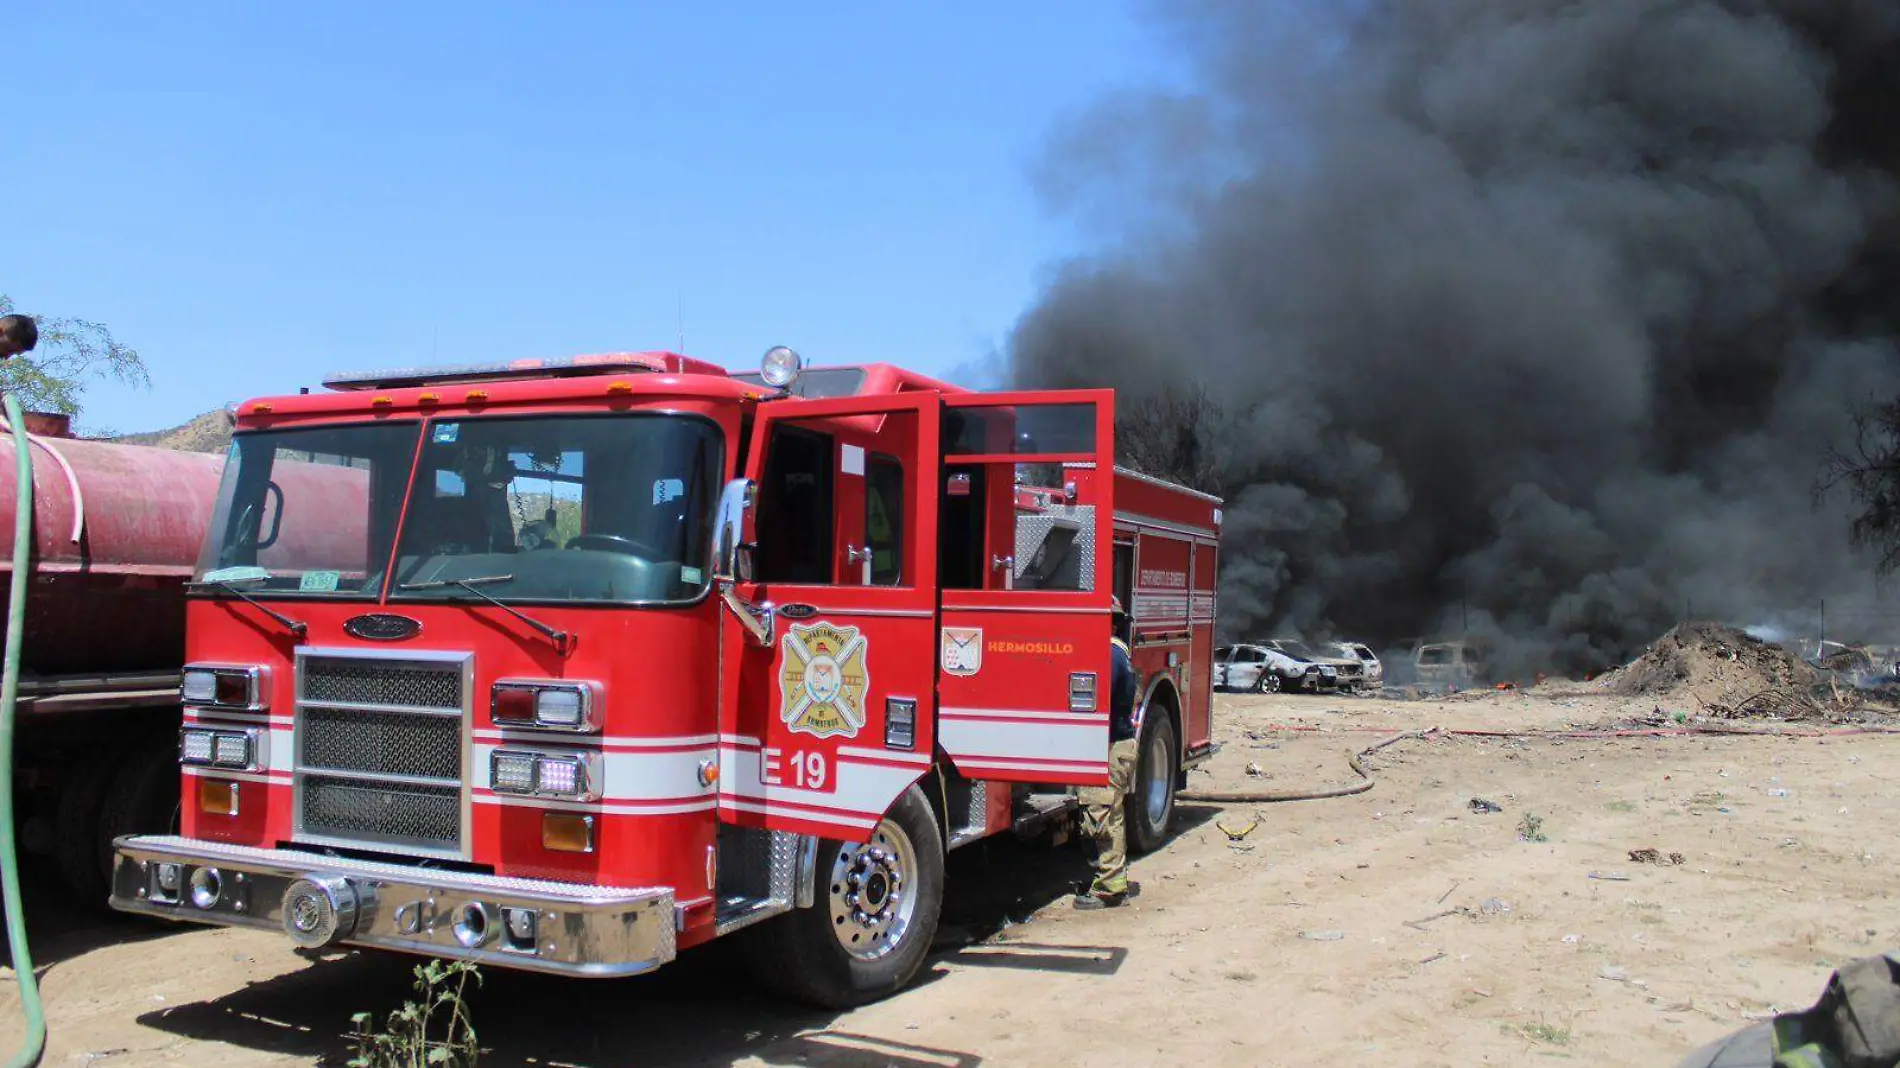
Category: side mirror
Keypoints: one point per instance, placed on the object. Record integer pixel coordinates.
(732, 556)
(732, 561)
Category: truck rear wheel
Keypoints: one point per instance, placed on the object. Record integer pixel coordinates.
(1150, 812)
(84, 857)
(872, 918)
(144, 800)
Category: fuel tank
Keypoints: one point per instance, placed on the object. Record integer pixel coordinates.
(117, 529)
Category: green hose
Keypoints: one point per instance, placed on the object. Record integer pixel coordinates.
(34, 1045)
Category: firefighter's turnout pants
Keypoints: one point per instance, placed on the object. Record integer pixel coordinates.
(1102, 817)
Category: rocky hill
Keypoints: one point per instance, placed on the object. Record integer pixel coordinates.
(210, 432)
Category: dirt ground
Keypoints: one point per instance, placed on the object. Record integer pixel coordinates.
(1325, 936)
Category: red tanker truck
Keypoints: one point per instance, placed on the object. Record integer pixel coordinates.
(117, 529)
(117, 533)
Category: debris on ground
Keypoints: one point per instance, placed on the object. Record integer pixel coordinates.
(1236, 834)
(1654, 856)
(1322, 936)
(1480, 805)
(1730, 673)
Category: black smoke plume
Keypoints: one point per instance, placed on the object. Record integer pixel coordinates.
(1535, 317)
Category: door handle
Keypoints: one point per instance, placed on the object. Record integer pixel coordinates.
(997, 563)
(854, 554)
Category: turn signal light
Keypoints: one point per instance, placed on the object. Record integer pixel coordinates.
(217, 797)
(567, 832)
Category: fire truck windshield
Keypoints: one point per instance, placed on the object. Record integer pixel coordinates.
(602, 508)
(309, 512)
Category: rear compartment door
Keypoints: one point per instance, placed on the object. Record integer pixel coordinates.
(822, 730)
(1026, 558)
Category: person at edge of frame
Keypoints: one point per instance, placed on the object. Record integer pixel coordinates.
(1103, 811)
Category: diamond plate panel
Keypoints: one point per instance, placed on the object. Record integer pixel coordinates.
(1032, 528)
(783, 865)
(977, 815)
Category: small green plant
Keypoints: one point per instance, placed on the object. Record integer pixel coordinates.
(1531, 828)
(1542, 1032)
(406, 1040)
(1622, 806)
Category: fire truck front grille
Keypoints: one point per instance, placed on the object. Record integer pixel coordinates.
(382, 747)
(382, 743)
(424, 815)
(382, 682)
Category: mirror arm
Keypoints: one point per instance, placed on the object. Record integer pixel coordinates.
(758, 620)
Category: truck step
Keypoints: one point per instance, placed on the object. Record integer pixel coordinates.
(1037, 811)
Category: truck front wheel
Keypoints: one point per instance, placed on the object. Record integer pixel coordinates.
(872, 918)
(1150, 811)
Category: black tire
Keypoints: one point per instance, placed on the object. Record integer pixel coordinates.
(84, 863)
(800, 955)
(1156, 765)
(144, 800)
(1268, 682)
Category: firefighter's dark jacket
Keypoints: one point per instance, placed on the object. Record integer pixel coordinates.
(1121, 693)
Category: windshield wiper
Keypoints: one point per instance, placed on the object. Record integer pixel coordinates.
(295, 627)
(560, 638)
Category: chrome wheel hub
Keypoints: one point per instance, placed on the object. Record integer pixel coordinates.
(871, 900)
(1160, 778)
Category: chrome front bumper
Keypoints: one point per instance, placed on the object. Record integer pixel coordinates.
(320, 900)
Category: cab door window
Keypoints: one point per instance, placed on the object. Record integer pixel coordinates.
(884, 518)
(796, 532)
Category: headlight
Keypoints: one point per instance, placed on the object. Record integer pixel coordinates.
(570, 776)
(236, 750)
(224, 687)
(552, 706)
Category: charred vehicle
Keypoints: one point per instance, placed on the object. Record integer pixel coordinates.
(1371, 674)
(1265, 668)
(1451, 666)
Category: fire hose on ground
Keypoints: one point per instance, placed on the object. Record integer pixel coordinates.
(1355, 760)
(33, 1044)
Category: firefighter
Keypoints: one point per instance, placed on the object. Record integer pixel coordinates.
(18, 334)
(1102, 811)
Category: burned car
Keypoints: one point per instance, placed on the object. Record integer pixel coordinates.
(1348, 672)
(1452, 666)
(1372, 672)
(1263, 667)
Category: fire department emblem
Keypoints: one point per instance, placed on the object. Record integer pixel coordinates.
(962, 650)
(824, 680)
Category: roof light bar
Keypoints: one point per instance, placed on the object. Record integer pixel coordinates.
(557, 366)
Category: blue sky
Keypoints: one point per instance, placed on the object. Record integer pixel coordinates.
(252, 195)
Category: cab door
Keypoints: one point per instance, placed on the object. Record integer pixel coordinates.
(1027, 520)
(825, 727)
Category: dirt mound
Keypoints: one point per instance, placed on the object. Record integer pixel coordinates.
(1720, 667)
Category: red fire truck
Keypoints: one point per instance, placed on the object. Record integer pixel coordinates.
(568, 665)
